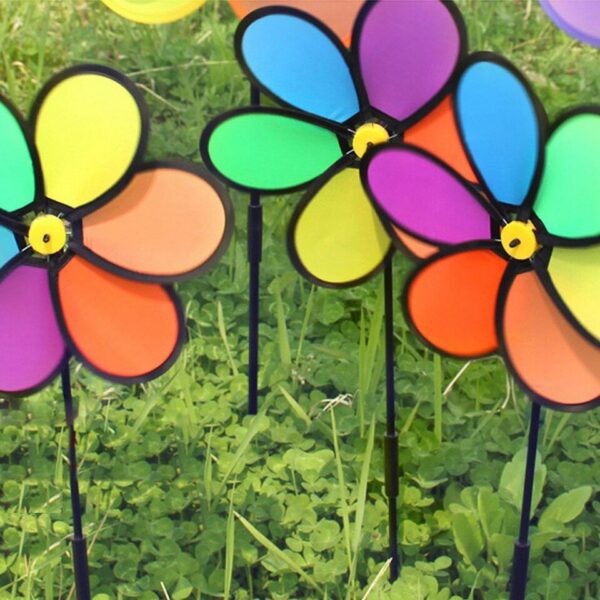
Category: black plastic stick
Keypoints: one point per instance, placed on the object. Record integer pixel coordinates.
(391, 435)
(518, 581)
(254, 257)
(80, 563)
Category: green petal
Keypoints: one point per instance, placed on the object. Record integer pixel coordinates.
(575, 273)
(568, 201)
(268, 150)
(17, 175)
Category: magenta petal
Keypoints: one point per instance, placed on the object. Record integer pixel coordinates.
(31, 344)
(408, 51)
(424, 198)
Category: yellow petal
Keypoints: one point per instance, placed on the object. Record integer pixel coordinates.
(337, 238)
(89, 129)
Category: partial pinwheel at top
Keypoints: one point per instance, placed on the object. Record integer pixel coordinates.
(578, 18)
(394, 81)
(154, 12)
(529, 287)
(91, 238)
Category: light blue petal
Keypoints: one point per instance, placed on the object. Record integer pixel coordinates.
(8, 246)
(301, 65)
(500, 128)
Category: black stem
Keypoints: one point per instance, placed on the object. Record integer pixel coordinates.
(254, 257)
(518, 583)
(391, 435)
(80, 563)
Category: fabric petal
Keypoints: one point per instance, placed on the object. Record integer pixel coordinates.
(8, 246)
(423, 197)
(451, 301)
(413, 246)
(407, 52)
(338, 16)
(32, 349)
(501, 127)
(268, 150)
(575, 277)
(90, 128)
(17, 168)
(550, 359)
(124, 330)
(437, 133)
(170, 221)
(299, 62)
(336, 238)
(154, 11)
(567, 202)
(580, 20)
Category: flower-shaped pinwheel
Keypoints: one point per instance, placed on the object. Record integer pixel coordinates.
(400, 67)
(154, 11)
(529, 286)
(579, 18)
(88, 235)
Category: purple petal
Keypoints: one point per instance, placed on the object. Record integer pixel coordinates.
(424, 198)
(408, 51)
(31, 344)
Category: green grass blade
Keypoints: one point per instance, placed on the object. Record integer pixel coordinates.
(298, 410)
(344, 509)
(229, 550)
(282, 556)
(250, 434)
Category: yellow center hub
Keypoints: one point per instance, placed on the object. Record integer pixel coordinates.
(367, 135)
(47, 234)
(519, 240)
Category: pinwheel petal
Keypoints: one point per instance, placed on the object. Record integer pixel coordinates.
(580, 20)
(125, 330)
(273, 43)
(17, 169)
(169, 222)
(501, 127)
(154, 11)
(423, 197)
(8, 246)
(338, 16)
(438, 134)
(268, 150)
(408, 52)
(451, 301)
(90, 129)
(548, 356)
(567, 202)
(336, 238)
(575, 275)
(32, 349)
(414, 247)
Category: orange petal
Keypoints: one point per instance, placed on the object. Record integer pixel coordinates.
(338, 16)
(451, 301)
(549, 357)
(125, 330)
(438, 134)
(168, 222)
(415, 247)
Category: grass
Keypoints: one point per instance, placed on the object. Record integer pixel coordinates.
(186, 496)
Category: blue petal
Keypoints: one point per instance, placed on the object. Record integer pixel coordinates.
(8, 246)
(300, 64)
(501, 129)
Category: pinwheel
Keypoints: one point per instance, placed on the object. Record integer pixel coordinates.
(90, 238)
(525, 286)
(154, 11)
(578, 18)
(393, 81)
